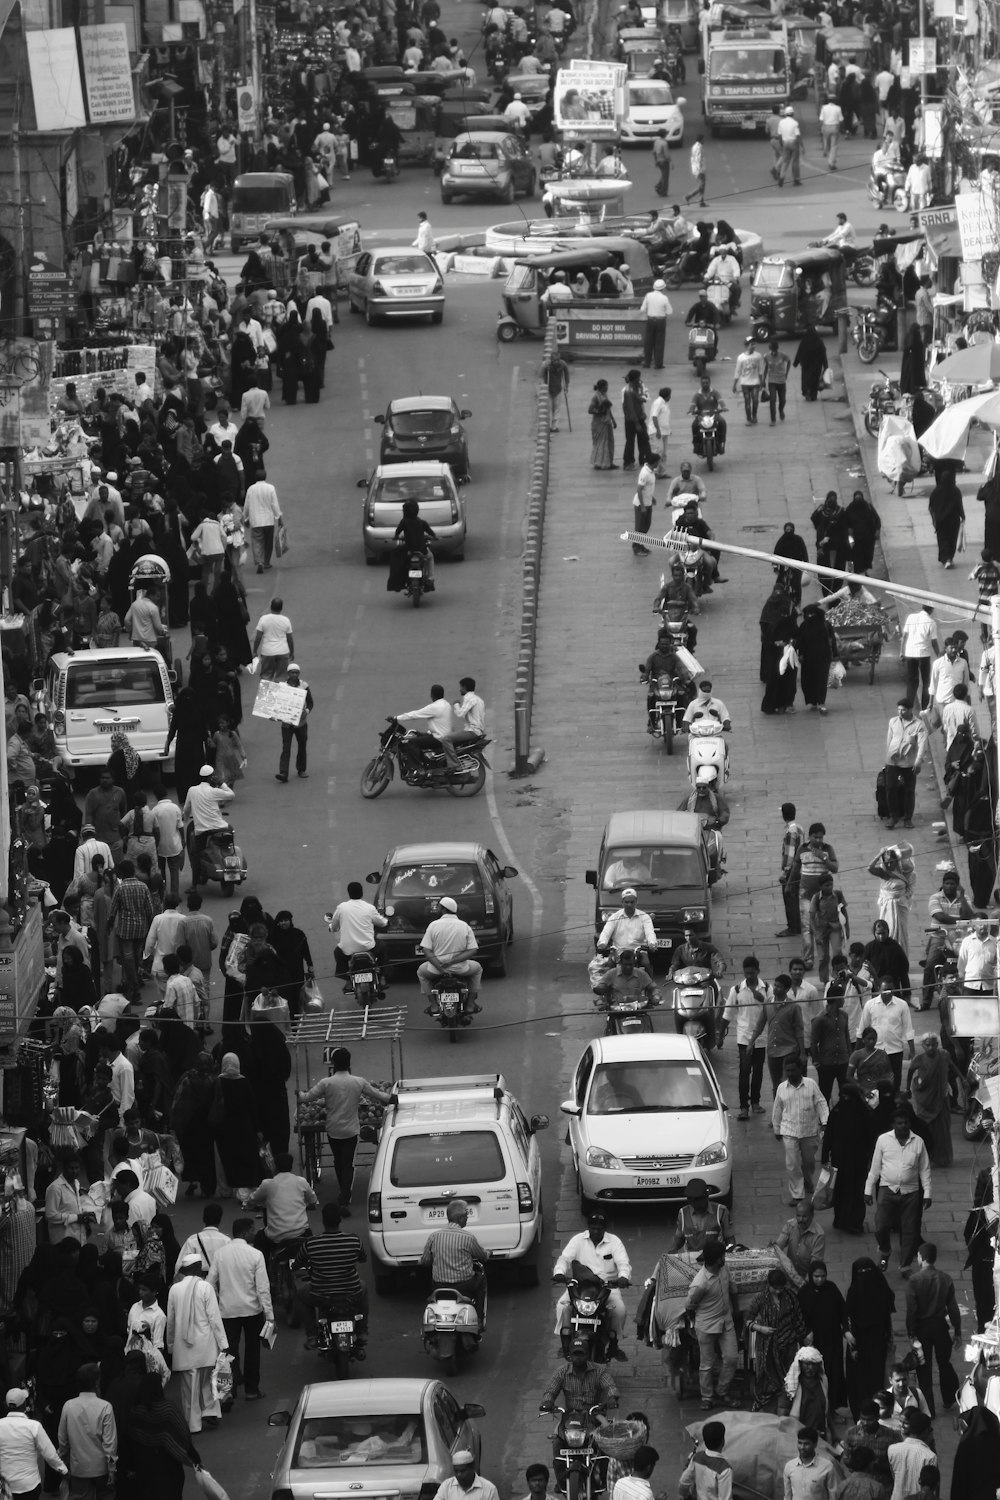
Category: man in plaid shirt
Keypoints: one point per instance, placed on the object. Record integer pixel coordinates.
(791, 842)
(452, 1254)
(131, 916)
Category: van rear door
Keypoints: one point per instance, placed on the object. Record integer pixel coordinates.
(102, 696)
(426, 1170)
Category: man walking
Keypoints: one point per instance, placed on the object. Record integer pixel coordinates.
(261, 512)
(130, 917)
(298, 732)
(918, 644)
(785, 1030)
(791, 842)
(831, 118)
(802, 1239)
(274, 642)
(776, 368)
(642, 503)
(893, 1026)
(24, 1444)
(196, 1337)
(709, 1305)
(799, 1114)
(790, 136)
(905, 749)
(238, 1276)
(931, 1305)
(748, 378)
(656, 309)
(555, 373)
(698, 172)
(815, 859)
(88, 1439)
(709, 1475)
(658, 429)
(343, 1090)
(661, 161)
(829, 924)
(745, 1005)
(900, 1174)
(634, 417)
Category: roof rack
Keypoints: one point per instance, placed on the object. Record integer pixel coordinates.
(495, 1082)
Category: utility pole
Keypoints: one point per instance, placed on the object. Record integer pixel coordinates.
(20, 273)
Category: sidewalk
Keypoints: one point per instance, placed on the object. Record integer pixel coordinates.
(595, 625)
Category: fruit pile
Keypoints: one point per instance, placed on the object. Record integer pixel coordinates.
(371, 1113)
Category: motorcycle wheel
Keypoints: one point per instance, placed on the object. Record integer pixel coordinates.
(668, 733)
(468, 788)
(226, 887)
(453, 1034)
(375, 777)
(762, 332)
(871, 427)
(416, 595)
(868, 349)
(863, 270)
(710, 453)
(573, 1485)
(341, 1361)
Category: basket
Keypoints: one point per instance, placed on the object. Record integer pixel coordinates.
(621, 1439)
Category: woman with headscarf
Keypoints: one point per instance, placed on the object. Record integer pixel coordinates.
(928, 1082)
(76, 987)
(234, 941)
(913, 366)
(121, 1394)
(272, 1068)
(160, 1443)
(989, 496)
(893, 866)
(884, 956)
(865, 526)
(848, 1143)
(777, 1318)
(782, 672)
(791, 545)
(189, 1113)
(810, 359)
(290, 358)
(173, 549)
(777, 606)
(870, 1304)
(825, 1314)
(228, 694)
(102, 1290)
(292, 947)
(947, 513)
(187, 727)
(980, 1235)
(807, 1392)
(829, 522)
(232, 615)
(314, 375)
(815, 648)
(238, 1135)
(125, 765)
(976, 1463)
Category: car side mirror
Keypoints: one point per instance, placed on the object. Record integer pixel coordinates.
(465, 415)
(538, 1122)
(508, 872)
(473, 1409)
(279, 1419)
(570, 1107)
(590, 876)
(373, 878)
(380, 418)
(362, 484)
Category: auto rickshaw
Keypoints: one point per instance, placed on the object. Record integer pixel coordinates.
(524, 313)
(683, 15)
(257, 197)
(640, 49)
(457, 115)
(787, 292)
(845, 45)
(416, 115)
(152, 575)
(802, 45)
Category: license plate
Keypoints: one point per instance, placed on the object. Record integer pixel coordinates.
(407, 291)
(657, 1181)
(585, 1322)
(442, 1213)
(118, 724)
(347, 1326)
(575, 1452)
(448, 997)
(416, 572)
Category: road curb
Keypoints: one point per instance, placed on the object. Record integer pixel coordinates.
(526, 762)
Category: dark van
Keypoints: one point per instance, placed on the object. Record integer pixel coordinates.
(664, 857)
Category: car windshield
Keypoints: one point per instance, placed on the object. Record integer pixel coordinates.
(478, 151)
(448, 1159)
(412, 423)
(434, 881)
(747, 62)
(650, 93)
(651, 867)
(261, 199)
(395, 1438)
(659, 1087)
(402, 265)
(113, 685)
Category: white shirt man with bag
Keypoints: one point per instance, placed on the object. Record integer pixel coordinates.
(195, 1337)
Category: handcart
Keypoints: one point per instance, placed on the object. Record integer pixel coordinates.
(345, 1028)
(152, 575)
(860, 631)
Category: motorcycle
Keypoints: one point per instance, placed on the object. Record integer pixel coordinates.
(874, 330)
(625, 1016)
(891, 191)
(675, 619)
(588, 1313)
(696, 1004)
(449, 1002)
(417, 578)
(580, 1469)
(427, 768)
(707, 747)
(338, 1324)
(703, 344)
(665, 718)
(221, 860)
(451, 1327)
(720, 294)
(386, 168)
(365, 980)
(707, 441)
(884, 398)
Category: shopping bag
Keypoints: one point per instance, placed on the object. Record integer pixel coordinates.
(209, 1485)
(267, 1160)
(280, 539)
(313, 995)
(828, 377)
(162, 1183)
(836, 675)
(222, 1384)
(254, 667)
(825, 1183)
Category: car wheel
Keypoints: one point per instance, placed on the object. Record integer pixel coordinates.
(727, 1198)
(370, 317)
(498, 965)
(587, 1205)
(438, 317)
(458, 556)
(446, 195)
(371, 560)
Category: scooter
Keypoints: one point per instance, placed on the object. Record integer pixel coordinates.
(221, 860)
(891, 192)
(588, 1314)
(451, 1327)
(338, 1324)
(696, 1004)
(721, 297)
(707, 747)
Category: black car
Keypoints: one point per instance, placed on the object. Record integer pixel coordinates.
(419, 427)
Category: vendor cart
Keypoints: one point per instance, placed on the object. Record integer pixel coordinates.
(152, 575)
(344, 1028)
(859, 631)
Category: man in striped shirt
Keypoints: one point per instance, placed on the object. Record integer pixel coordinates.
(452, 1255)
(331, 1259)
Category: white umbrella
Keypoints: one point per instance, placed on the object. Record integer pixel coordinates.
(970, 366)
(948, 434)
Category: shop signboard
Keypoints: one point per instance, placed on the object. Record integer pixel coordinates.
(25, 372)
(246, 104)
(923, 55)
(940, 227)
(49, 290)
(589, 98)
(107, 73)
(976, 224)
(22, 973)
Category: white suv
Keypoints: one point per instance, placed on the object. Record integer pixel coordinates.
(446, 1138)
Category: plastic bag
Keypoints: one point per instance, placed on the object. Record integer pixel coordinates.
(209, 1485)
(254, 667)
(281, 543)
(828, 377)
(313, 995)
(267, 1159)
(222, 1382)
(837, 674)
(825, 1183)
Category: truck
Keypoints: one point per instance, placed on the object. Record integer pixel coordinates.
(747, 72)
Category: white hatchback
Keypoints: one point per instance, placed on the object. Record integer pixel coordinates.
(651, 107)
(646, 1115)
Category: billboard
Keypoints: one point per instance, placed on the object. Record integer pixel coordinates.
(107, 73)
(589, 98)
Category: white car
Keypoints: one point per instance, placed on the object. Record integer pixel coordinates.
(646, 1115)
(398, 282)
(651, 108)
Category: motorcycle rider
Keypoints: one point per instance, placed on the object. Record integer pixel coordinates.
(624, 983)
(697, 952)
(449, 944)
(700, 1220)
(606, 1257)
(664, 662)
(703, 705)
(415, 535)
(355, 920)
(582, 1386)
(203, 816)
(724, 269)
(687, 483)
(707, 402)
(843, 237)
(706, 800)
(677, 590)
(705, 314)
(286, 1200)
(457, 1259)
(695, 524)
(886, 166)
(330, 1260)
(440, 721)
(629, 928)
(388, 142)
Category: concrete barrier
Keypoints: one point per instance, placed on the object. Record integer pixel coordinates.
(526, 758)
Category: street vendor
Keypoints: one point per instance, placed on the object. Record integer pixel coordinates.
(850, 593)
(700, 1220)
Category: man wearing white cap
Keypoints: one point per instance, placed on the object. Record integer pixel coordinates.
(449, 944)
(656, 309)
(23, 1442)
(202, 813)
(195, 1337)
(88, 846)
(465, 1481)
(298, 732)
(629, 928)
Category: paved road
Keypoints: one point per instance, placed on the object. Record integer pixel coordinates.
(365, 653)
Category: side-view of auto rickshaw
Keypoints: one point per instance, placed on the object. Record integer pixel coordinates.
(846, 45)
(525, 313)
(788, 292)
(296, 236)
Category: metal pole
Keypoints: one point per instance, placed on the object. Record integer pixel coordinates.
(255, 69)
(923, 75)
(19, 276)
(995, 634)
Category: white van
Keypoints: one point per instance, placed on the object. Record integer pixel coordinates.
(89, 694)
(446, 1138)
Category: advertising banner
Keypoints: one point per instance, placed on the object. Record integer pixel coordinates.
(107, 73)
(589, 101)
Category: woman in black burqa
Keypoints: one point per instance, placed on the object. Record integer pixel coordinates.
(870, 1306)
(791, 545)
(815, 648)
(947, 513)
(810, 359)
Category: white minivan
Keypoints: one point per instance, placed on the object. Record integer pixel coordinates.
(89, 694)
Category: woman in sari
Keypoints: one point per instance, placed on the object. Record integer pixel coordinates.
(928, 1081)
(869, 1067)
(893, 865)
(602, 428)
(870, 1305)
(947, 514)
(776, 1317)
(823, 1307)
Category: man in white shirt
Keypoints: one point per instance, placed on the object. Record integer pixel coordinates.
(224, 428)
(791, 138)
(744, 1005)
(238, 1276)
(606, 1256)
(956, 714)
(656, 308)
(165, 935)
(890, 1017)
(147, 1313)
(843, 234)
(517, 114)
(209, 1240)
(24, 1444)
(425, 234)
(203, 813)
(318, 303)
(255, 404)
(705, 705)
(471, 709)
(658, 429)
(166, 814)
(901, 1172)
(831, 118)
(64, 1214)
(946, 672)
(143, 621)
(274, 642)
(356, 921)
(141, 1205)
(449, 944)
(557, 291)
(798, 1117)
(918, 644)
(439, 721)
(977, 960)
(261, 512)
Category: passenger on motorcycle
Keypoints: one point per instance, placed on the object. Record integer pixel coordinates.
(439, 719)
(696, 525)
(449, 944)
(706, 401)
(706, 800)
(703, 705)
(330, 1261)
(606, 1256)
(415, 535)
(286, 1200)
(725, 269)
(629, 928)
(582, 1386)
(456, 1257)
(625, 983)
(700, 1220)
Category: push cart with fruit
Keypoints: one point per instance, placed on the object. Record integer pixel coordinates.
(859, 631)
(318, 1037)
